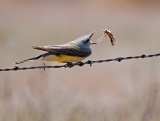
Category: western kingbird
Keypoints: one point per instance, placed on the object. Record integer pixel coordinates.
(74, 51)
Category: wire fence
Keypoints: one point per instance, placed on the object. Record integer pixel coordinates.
(80, 64)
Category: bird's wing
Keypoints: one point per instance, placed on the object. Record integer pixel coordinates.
(71, 50)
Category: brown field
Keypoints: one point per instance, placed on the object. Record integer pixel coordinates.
(125, 91)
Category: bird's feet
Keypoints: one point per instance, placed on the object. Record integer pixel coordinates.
(69, 64)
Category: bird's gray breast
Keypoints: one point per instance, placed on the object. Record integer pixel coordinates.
(84, 51)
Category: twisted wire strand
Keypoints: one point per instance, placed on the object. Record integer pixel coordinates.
(89, 62)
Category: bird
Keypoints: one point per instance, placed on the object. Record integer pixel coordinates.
(73, 51)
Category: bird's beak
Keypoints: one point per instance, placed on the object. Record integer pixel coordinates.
(91, 34)
(90, 38)
(93, 42)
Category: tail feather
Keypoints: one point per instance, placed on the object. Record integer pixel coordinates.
(30, 59)
(40, 48)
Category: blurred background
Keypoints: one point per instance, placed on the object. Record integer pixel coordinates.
(125, 91)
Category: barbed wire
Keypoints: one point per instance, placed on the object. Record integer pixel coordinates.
(89, 62)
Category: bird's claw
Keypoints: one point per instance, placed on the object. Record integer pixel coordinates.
(69, 64)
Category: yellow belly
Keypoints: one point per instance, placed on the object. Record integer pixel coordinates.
(63, 58)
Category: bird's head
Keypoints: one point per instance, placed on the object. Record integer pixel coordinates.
(84, 40)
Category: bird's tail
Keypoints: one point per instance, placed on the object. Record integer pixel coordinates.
(30, 59)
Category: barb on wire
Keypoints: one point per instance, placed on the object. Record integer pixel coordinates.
(89, 62)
